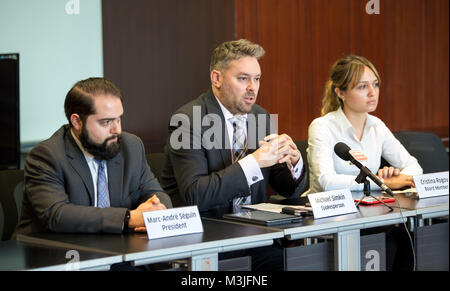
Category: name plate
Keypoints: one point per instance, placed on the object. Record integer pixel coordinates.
(332, 203)
(430, 185)
(172, 222)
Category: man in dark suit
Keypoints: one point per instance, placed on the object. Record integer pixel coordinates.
(222, 150)
(89, 176)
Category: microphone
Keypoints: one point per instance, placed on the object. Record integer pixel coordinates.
(342, 151)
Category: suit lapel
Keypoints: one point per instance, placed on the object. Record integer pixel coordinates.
(115, 179)
(253, 124)
(78, 163)
(213, 107)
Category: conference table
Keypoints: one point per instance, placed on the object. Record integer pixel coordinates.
(426, 207)
(201, 249)
(48, 251)
(430, 227)
(346, 228)
(20, 256)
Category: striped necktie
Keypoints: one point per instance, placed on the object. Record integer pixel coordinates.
(102, 185)
(240, 145)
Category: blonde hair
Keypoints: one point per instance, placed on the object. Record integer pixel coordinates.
(344, 73)
(233, 50)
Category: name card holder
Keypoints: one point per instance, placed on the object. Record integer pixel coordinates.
(433, 184)
(172, 222)
(332, 203)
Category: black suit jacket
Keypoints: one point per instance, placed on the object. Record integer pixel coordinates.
(59, 191)
(207, 177)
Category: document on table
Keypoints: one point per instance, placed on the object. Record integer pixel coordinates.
(274, 207)
(410, 193)
(409, 190)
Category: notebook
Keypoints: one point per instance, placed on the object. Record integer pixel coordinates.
(263, 217)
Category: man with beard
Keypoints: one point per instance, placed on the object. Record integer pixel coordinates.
(89, 176)
(222, 150)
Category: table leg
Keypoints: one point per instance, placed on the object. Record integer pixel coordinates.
(347, 250)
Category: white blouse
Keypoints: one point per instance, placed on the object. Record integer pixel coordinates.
(329, 172)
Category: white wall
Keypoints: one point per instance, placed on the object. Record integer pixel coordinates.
(56, 50)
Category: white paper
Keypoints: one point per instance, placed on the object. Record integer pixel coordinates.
(277, 208)
(409, 190)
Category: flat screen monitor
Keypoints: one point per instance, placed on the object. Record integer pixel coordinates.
(9, 112)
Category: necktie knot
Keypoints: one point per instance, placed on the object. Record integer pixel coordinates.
(238, 121)
(100, 163)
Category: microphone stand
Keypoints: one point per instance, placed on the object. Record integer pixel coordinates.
(362, 178)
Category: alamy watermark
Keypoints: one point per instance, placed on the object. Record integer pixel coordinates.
(208, 131)
(373, 263)
(373, 7)
(74, 263)
(73, 7)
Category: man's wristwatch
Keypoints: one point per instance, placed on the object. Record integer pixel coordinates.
(126, 220)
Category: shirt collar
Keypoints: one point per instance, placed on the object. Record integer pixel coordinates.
(346, 124)
(370, 121)
(226, 113)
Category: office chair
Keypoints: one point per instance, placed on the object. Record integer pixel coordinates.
(156, 163)
(302, 145)
(11, 194)
(427, 148)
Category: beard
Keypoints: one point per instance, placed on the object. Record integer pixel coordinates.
(101, 151)
(235, 104)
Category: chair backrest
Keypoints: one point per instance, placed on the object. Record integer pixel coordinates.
(156, 163)
(427, 148)
(302, 145)
(11, 194)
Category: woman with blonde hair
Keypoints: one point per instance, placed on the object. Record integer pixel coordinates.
(351, 93)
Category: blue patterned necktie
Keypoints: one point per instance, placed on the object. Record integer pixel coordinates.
(102, 185)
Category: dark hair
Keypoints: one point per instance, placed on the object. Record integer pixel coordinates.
(80, 100)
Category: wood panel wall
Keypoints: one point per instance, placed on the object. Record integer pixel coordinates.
(407, 42)
(158, 52)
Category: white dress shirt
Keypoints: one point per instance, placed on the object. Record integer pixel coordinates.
(249, 165)
(329, 172)
(93, 166)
